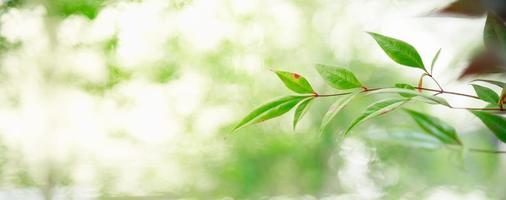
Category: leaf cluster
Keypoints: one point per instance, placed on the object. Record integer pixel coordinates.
(350, 87)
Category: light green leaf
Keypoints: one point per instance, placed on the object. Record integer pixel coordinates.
(430, 98)
(496, 123)
(301, 110)
(405, 86)
(269, 110)
(337, 77)
(336, 108)
(435, 127)
(399, 51)
(374, 110)
(494, 33)
(295, 82)
(486, 94)
(434, 60)
(408, 139)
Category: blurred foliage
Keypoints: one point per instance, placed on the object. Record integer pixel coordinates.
(198, 80)
(65, 8)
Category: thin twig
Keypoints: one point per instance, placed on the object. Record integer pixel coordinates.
(475, 150)
(419, 88)
(448, 92)
(425, 89)
(486, 151)
(437, 83)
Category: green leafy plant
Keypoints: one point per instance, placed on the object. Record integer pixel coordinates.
(351, 87)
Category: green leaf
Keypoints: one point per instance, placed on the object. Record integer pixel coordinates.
(486, 94)
(337, 77)
(498, 83)
(494, 33)
(435, 127)
(405, 86)
(434, 60)
(430, 98)
(399, 51)
(336, 108)
(295, 82)
(495, 123)
(301, 110)
(269, 110)
(408, 139)
(374, 110)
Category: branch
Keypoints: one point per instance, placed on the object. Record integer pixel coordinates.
(486, 151)
(448, 92)
(425, 89)
(419, 88)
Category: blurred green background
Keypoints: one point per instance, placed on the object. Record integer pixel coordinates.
(136, 99)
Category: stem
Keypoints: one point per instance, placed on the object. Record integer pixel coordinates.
(331, 95)
(475, 150)
(437, 83)
(486, 151)
(464, 108)
(420, 88)
(448, 92)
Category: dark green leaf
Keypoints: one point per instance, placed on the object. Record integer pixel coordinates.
(301, 109)
(495, 123)
(336, 108)
(500, 84)
(337, 77)
(434, 60)
(374, 110)
(269, 110)
(494, 33)
(405, 86)
(295, 82)
(399, 51)
(430, 98)
(435, 127)
(486, 94)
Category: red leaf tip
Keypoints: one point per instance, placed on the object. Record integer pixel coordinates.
(295, 75)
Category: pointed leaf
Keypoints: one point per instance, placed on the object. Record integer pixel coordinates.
(495, 123)
(295, 82)
(337, 77)
(434, 60)
(498, 83)
(486, 94)
(301, 110)
(408, 139)
(430, 98)
(269, 110)
(435, 127)
(494, 33)
(336, 108)
(374, 110)
(399, 51)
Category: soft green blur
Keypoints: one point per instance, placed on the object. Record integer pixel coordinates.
(137, 99)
